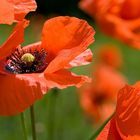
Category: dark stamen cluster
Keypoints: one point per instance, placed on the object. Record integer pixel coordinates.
(16, 65)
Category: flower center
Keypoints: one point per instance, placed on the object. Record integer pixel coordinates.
(27, 58)
(26, 61)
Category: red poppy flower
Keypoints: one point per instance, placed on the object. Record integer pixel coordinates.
(15, 10)
(98, 98)
(125, 124)
(27, 73)
(109, 55)
(114, 19)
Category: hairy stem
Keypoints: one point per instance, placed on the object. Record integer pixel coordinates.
(23, 125)
(32, 114)
(51, 113)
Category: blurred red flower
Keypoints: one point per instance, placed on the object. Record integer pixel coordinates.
(27, 73)
(109, 55)
(15, 10)
(125, 124)
(117, 18)
(98, 99)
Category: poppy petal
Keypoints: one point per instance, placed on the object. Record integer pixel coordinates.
(64, 78)
(82, 59)
(88, 6)
(128, 111)
(63, 59)
(66, 33)
(32, 46)
(109, 132)
(6, 12)
(11, 11)
(13, 100)
(14, 40)
(135, 137)
(23, 7)
(133, 7)
(120, 29)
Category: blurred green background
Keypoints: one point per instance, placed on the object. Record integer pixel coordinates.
(59, 116)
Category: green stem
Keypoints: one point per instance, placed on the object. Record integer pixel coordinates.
(23, 125)
(96, 133)
(51, 113)
(32, 114)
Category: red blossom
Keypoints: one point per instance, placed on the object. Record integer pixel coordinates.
(125, 124)
(64, 39)
(117, 18)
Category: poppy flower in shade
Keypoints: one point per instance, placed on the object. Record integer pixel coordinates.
(15, 10)
(114, 19)
(30, 71)
(98, 99)
(125, 123)
(109, 55)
